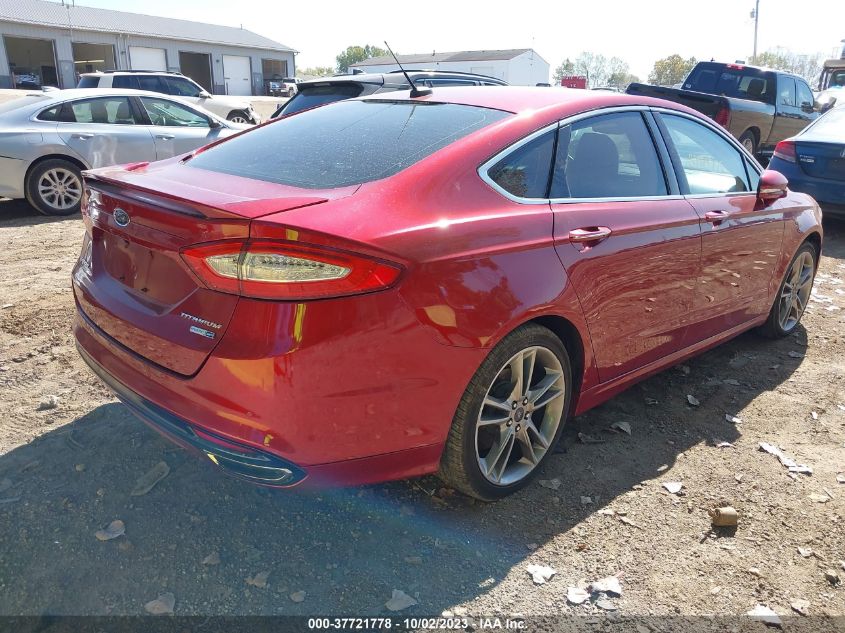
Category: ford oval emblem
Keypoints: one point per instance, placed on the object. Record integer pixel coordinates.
(121, 218)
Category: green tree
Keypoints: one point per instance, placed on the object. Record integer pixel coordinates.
(566, 69)
(808, 66)
(671, 70)
(316, 71)
(355, 54)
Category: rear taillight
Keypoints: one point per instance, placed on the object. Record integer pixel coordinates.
(723, 116)
(785, 150)
(287, 271)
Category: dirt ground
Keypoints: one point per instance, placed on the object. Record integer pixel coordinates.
(67, 472)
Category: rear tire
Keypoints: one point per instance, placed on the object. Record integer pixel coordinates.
(510, 417)
(793, 294)
(54, 187)
(749, 141)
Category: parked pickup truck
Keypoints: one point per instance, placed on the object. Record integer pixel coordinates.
(760, 107)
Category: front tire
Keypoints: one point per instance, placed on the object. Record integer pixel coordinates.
(238, 116)
(54, 187)
(510, 417)
(793, 294)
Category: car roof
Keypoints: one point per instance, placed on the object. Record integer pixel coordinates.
(103, 73)
(76, 93)
(395, 77)
(526, 99)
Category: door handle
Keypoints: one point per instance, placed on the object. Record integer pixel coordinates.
(83, 137)
(591, 234)
(716, 217)
(165, 137)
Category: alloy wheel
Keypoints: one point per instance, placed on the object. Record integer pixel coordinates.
(520, 415)
(795, 292)
(60, 188)
(748, 144)
(238, 119)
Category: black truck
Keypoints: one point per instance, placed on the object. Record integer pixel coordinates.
(760, 107)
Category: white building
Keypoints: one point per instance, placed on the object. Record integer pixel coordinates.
(517, 66)
(50, 44)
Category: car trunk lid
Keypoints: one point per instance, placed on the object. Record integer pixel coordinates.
(132, 282)
(821, 160)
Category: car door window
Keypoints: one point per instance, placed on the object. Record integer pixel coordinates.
(607, 156)
(524, 172)
(786, 92)
(152, 83)
(103, 110)
(171, 114)
(805, 95)
(125, 81)
(709, 163)
(180, 87)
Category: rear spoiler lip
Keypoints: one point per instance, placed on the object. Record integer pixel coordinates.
(132, 192)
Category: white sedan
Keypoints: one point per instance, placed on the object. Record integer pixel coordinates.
(49, 138)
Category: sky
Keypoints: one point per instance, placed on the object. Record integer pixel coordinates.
(638, 31)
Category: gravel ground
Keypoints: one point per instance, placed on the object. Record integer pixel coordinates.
(66, 471)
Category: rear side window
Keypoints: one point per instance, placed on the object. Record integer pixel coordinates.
(105, 110)
(525, 171)
(309, 97)
(88, 82)
(346, 143)
(607, 156)
(710, 163)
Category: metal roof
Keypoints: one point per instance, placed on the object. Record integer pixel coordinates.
(434, 57)
(54, 14)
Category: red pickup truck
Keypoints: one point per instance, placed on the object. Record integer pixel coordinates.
(760, 107)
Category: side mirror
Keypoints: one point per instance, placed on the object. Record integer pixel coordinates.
(214, 124)
(808, 106)
(773, 186)
(204, 94)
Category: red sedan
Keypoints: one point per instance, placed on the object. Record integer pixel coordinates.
(388, 287)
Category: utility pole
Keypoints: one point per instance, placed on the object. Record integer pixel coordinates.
(756, 15)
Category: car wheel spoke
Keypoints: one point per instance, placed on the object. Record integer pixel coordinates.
(497, 460)
(505, 423)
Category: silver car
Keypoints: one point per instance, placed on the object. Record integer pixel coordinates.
(48, 138)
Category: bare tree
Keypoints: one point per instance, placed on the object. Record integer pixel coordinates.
(808, 66)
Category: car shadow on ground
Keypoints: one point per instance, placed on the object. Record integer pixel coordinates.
(21, 213)
(346, 548)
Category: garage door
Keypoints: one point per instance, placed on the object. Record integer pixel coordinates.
(143, 58)
(237, 73)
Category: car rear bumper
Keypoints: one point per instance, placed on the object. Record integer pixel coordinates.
(12, 176)
(830, 194)
(358, 404)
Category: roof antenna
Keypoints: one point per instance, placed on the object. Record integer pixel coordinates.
(415, 91)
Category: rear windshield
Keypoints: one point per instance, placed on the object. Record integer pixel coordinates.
(308, 97)
(347, 143)
(88, 82)
(729, 80)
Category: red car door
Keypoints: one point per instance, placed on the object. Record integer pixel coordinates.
(741, 240)
(630, 244)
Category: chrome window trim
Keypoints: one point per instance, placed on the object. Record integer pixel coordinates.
(718, 129)
(488, 164)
